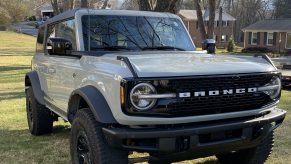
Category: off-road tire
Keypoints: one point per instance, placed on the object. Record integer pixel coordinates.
(257, 155)
(96, 149)
(39, 118)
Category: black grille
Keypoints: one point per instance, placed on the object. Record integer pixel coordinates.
(220, 103)
(194, 106)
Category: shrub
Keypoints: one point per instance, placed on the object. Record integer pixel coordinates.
(256, 50)
(230, 45)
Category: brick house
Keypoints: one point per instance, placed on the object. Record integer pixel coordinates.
(273, 34)
(190, 20)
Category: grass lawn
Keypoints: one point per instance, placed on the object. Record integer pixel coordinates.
(18, 146)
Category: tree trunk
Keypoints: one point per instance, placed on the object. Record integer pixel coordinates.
(211, 19)
(72, 4)
(55, 6)
(200, 19)
(84, 3)
(160, 5)
(105, 4)
(144, 5)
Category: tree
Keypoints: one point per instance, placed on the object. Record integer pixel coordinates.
(84, 3)
(211, 19)
(200, 19)
(160, 5)
(211, 9)
(230, 45)
(282, 8)
(12, 10)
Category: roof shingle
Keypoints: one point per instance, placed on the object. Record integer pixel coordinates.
(280, 25)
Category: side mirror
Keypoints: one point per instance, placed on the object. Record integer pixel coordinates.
(209, 45)
(59, 46)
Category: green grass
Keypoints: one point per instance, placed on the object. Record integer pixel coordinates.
(18, 146)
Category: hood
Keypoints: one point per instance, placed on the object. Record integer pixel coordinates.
(166, 64)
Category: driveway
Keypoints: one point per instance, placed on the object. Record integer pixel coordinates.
(23, 27)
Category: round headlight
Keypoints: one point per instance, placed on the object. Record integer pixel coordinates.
(142, 104)
(273, 88)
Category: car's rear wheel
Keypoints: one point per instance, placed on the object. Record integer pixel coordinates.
(257, 155)
(88, 144)
(39, 118)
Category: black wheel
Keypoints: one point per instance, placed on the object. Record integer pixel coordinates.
(88, 145)
(257, 155)
(39, 118)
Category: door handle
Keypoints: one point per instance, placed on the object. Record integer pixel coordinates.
(51, 70)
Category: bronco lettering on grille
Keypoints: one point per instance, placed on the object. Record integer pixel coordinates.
(218, 92)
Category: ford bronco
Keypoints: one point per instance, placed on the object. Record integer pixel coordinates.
(133, 81)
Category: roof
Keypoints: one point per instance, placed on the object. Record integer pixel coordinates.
(279, 25)
(71, 13)
(192, 15)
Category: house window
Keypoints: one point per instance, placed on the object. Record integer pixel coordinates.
(288, 41)
(270, 39)
(224, 23)
(254, 38)
(228, 23)
(223, 38)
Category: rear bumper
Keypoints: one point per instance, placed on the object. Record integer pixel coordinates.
(205, 138)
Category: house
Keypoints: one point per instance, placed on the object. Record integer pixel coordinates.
(274, 34)
(112, 4)
(44, 11)
(190, 20)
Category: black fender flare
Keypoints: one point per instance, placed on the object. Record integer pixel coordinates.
(31, 79)
(96, 102)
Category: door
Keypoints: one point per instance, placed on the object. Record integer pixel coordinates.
(62, 68)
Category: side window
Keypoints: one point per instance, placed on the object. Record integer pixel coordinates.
(39, 40)
(65, 29)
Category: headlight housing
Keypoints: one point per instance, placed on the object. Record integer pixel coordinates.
(273, 88)
(142, 104)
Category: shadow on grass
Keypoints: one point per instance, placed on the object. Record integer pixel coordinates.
(13, 68)
(287, 88)
(61, 129)
(12, 95)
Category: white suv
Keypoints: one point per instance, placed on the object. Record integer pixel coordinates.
(132, 81)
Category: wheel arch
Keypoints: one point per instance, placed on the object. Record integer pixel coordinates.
(92, 98)
(32, 79)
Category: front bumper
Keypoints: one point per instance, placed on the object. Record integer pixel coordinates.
(204, 138)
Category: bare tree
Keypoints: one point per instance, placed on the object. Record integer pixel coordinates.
(84, 3)
(55, 6)
(160, 5)
(201, 25)
(211, 19)
(105, 4)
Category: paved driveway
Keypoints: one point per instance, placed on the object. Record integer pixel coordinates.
(23, 27)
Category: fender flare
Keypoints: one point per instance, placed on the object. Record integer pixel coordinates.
(96, 102)
(31, 79)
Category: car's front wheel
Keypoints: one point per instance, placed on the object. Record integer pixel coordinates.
(88, 145)
(256, 155)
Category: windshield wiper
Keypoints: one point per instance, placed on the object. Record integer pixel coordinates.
(163, 48)
(111, 48)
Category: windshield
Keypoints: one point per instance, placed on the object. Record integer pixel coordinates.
(110, 32)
